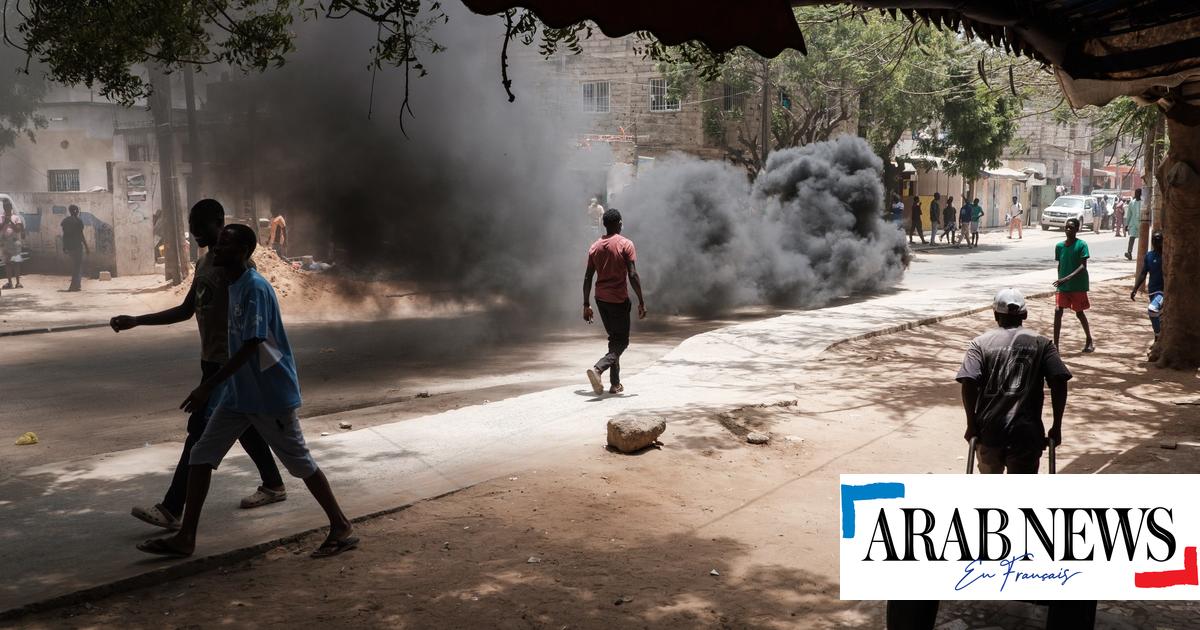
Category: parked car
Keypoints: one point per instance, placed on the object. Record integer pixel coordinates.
(1079, 207)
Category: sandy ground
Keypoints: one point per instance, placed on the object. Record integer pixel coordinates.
(607, 540)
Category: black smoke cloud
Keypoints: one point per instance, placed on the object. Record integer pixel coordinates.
(483, 200)
(807, 230)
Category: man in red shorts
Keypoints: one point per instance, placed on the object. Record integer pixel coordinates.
(1072, 284)
(611, 260)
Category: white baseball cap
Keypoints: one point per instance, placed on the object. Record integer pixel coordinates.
(1008, 301)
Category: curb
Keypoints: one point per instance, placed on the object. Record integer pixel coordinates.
(193, 566)
(51, 329)
(940, 318)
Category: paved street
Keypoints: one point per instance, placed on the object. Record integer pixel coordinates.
(395, 462)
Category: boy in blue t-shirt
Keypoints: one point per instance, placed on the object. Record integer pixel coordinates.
(261, 389)
(1152, 270)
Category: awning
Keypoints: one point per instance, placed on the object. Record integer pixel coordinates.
(1004, 172)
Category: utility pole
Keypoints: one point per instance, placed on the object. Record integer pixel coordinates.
(194, 152)
(766, 111)
(160, 108)
(196, 182)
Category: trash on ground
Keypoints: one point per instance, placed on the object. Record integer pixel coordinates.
(27, 439)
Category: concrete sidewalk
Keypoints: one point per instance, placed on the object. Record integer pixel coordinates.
(45, 305)
(66, 526)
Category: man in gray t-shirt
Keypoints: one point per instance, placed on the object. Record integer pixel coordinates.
(1002, 378)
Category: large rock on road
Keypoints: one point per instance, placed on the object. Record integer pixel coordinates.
(634, 434)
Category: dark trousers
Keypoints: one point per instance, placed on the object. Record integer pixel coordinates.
(256, 447)
(616, 324)
(914, 227)
(76, 267)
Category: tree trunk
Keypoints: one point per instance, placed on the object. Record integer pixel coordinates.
(1150, 149)
(176, 269)
(765, 134)
(1180, 194)
(891, 183)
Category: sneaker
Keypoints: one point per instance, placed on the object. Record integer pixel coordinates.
(157, 516)
(594, 377)
(7, 285)
(1128, 256)
(616, 389)
(263, 496)
(1090, 347)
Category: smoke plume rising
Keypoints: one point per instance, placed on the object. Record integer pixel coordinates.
(807, 230)
(483, 201)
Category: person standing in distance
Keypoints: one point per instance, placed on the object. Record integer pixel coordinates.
(1072, 284)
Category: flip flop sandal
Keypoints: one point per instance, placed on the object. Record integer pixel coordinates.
(263, 496)
(331, 548)
(160, 547)
(157, 516)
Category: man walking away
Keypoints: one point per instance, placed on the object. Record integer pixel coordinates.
(1015, 216)
(1100, 213)
(1133, 219)
(949, 213)
(1072, 284)
(263, 391)
(12, 231)
(611, 260)
(1002, 378)
(1152, 268)
(208, 300)
(976, 217)
(915, 221)
(964, 223)
(935, 217)
(74, 245)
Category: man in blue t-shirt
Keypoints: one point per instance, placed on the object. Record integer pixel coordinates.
(1152, 268)
(261, 390)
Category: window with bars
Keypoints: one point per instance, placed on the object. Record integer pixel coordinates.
(65, 180)
(660, 100)
(595, 97)
(732, 99)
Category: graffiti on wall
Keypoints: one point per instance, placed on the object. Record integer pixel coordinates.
(104, 233)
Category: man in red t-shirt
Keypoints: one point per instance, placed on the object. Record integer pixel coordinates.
(611, 260)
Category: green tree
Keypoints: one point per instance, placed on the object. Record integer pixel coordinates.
(977, 123)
